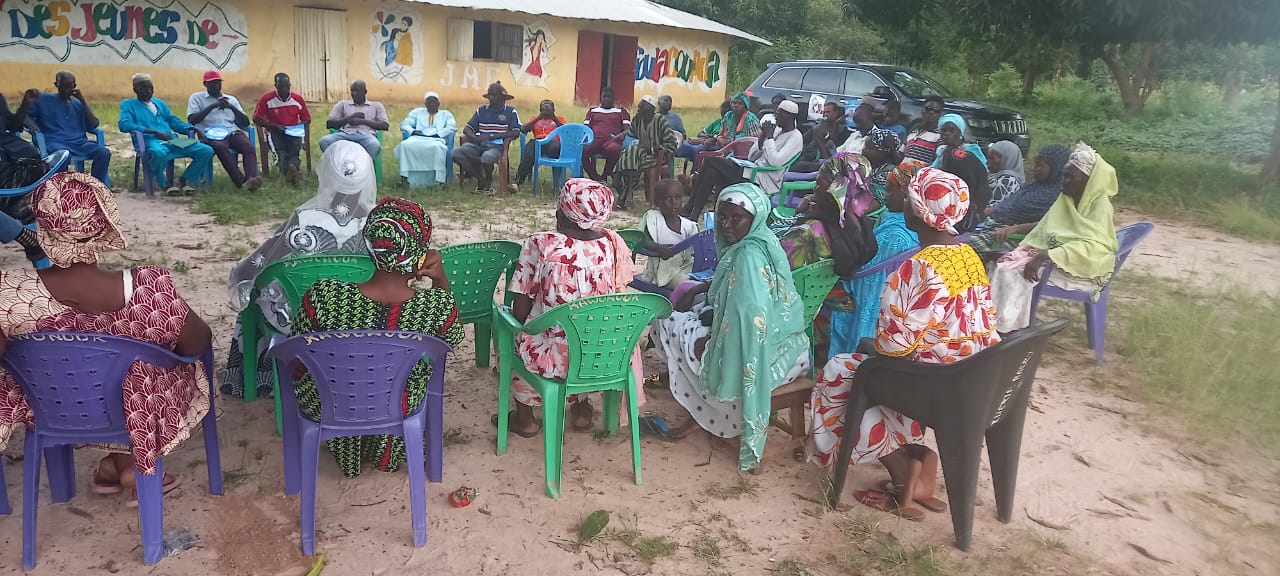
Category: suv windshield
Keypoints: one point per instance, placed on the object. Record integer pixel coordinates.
(916, 85)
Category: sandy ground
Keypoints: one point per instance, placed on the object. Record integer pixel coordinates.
(1096, 481)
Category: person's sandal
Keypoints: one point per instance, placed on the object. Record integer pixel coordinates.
(171, 483)
(591, 422)
(98, 486)
(511, 416)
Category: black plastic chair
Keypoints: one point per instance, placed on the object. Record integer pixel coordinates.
(983, 395)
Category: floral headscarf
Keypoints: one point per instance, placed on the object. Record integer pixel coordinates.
(849, 172)
(76, 219)
(588, 204)
(902, 175)
(884, 140)
(397, 232)
(939, 198)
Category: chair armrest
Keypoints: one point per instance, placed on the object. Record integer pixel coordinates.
(503, 320)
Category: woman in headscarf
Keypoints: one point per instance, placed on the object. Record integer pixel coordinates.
(1019, 212)
(952, 127)
(962, 163)
(1078, 234)
(580, 258)
(328, 223)
(655, 142)
(397, 232)
(738, 122)
(1004, 160)
(78, 222)
(726, 356)
(881, 150)
(705, 141)
(936, 308)
(428, 131)
(849, 325)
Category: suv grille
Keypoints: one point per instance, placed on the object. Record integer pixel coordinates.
(1011, 126)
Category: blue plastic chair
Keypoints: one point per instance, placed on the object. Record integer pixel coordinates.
(573, 138)
(705, 259)
(1095, 313)
(360, 377)
(253, 140)
(448, 154)
(627, 142)
(37, 138)
(73, 381)
(140, 164)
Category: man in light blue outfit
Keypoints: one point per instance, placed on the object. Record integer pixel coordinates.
(64, 118)
(158, 125)
(428, 131)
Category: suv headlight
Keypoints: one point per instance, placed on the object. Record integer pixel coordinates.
(983, 124)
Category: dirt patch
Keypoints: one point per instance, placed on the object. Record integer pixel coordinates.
(256, 535)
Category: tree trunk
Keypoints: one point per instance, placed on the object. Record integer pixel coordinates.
(1029, 79)
(1084, 67)
(1271, 172)
(1231, 78)
(1135, 86)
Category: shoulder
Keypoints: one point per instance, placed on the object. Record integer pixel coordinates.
(296, 97)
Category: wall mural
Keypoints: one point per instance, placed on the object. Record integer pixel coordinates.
(395, 47)
(194, 34)
(663, 65)
(532, 69)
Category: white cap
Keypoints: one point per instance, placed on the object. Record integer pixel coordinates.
(789, 107)
(650, 99)
(431, 94)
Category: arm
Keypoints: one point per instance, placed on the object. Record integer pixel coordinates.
(335, 122)
(524, 283)
(175, 123)
(128, 121)
(469, 131)
(260, 114)
(450, 125)
(410, 124)
(91, 121)
(199, 115)
(19, 118)
(513, 126)
(380, 120)
(242, 119)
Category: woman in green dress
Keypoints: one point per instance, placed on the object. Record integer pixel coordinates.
(397, 231)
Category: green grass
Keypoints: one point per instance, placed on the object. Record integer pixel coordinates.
(647, 548)
(744, 486)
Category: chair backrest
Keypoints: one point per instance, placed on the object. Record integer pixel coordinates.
(1128, 238)
(739, 148)
(473, 270)
(634, 238)
(704, 250)
(887, 265)
(361, 375)
(73, 380)
(602, 331)
(814, 282)
(297, 273)
(573, 138)
(56, 162)
(980, 388)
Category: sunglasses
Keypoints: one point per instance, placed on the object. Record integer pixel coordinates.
(934, 110)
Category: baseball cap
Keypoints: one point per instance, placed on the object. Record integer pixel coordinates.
(212, 75)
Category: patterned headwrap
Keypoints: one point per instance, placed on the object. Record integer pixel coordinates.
(884, 140)
(940, 198)
(76, 219)
(849, 172)
(906, 170)
(1083, 158)
(397, 231)
(586, 203)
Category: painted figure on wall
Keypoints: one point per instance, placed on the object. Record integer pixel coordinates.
(393, 53)
(532, 70)
(397, 38)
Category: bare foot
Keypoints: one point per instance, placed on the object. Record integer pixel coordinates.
(583, 416)
(926, 484)
(877, 500)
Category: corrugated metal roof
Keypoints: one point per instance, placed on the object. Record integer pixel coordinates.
(639, 11)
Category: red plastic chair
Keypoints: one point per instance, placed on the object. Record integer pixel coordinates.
(738, 149)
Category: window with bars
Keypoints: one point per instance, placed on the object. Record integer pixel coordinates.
(484, 40)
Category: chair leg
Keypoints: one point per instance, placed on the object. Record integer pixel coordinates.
(504, 403)
(5, 508)
(553, 409)
(310, 469)
(435, 437)
(417, 484)
(1004, 446)
(292, 451)
(275, 387)
(30, 499)
(633, 415)
(609, 411)
(212, 452)
(848, 438)
(1096, 318)
(484, 342)
(960, 452)
(151, 512)
(249, 335)
(61, 465)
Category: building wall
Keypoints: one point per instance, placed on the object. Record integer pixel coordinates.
(251, 40)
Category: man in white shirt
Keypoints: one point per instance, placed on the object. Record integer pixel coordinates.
(864, 120)
(777, 146)
(221, 123)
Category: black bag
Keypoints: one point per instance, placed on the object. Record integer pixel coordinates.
(854, 246)
(19, 173)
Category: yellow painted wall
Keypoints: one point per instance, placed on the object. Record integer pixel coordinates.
(254, 39)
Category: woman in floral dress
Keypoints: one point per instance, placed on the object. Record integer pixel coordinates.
(580, 258)
(397, 231)
(936, 308)
(77, 222)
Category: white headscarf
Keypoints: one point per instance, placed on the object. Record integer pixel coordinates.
(1083, 158)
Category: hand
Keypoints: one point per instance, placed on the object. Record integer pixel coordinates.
(700, 345)
(989, 210)
(804, 205)
(1003, 232)
(663, 251)
(77, 95)
(621, 137)
(1032, 270)
(432, 266)
(29, 97)
(417, 133)
(766, 130)
(223, 102)
(696, 141)
(161, 135)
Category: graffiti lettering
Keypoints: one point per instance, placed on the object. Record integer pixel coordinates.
(176, 33)
(673, 64)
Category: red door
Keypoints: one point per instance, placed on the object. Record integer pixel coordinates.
(586, 88)
(623, 76)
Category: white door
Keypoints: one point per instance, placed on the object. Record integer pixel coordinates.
(320, 49)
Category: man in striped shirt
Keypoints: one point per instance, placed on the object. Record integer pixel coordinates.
(609, 125)
(922, 142)
(484, 138)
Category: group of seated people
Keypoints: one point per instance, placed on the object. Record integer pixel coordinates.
(731, 342)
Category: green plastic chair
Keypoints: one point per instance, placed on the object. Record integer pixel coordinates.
(602, 331)
(295, 274)
(473, 270)
(814, 282)
(634, 238)
(377, 160)
(758, 170)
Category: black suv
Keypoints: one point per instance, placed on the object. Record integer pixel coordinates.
(851, 82)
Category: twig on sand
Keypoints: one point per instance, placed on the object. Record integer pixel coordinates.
(370, 503)
(1148, 554)
(1081, 459)
(1103, 408)
(1045, 523)
(1107, 513)
(708, 462)
(809, 499)
(1118, 502)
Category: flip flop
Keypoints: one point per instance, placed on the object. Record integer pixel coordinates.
(931, 504)
(171, 482)
(656, 427)
(188, 191)
(494, 420)
(103, 488)
(886, 502)
(173, 191)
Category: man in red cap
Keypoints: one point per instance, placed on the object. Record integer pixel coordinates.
(223, 125)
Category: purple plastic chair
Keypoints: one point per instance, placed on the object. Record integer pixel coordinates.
(74, 383)
(360, 377)
(704, 260)
(1095, 313)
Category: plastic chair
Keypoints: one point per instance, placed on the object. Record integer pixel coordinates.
(377, 160)
(797, 182)
(705, 259)
(738, 149)
(757, 170)
(295, 274)
(140, 164)
(37, 138)
(602, 332)
(573, 138)
(814, 282)
(635, 240)
(1095, 313)
(504, 162)
(266, 146)
(448, 159)
(360, 377)
(473, 270)
(984, 395)
(74, 384)
(56, 162)
(253, 139)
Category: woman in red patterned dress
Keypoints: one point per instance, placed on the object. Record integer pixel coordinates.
(78, 221)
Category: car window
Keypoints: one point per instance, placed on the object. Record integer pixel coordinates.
(860, 82)
(788, 78)
(823, 80)
(916, 85)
